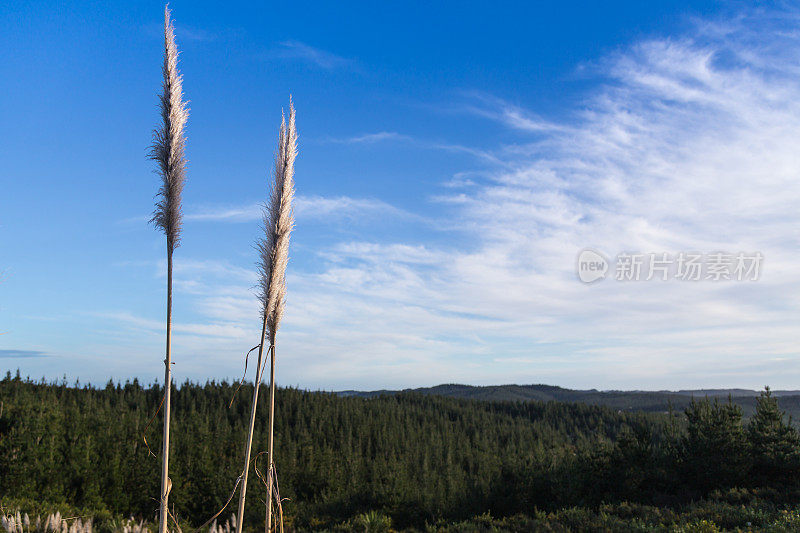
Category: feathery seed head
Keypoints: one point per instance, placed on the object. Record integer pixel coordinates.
(169, 142)
(278, 222)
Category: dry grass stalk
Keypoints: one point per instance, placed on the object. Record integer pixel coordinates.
(282, 224)
(277, 500)
(278, 223)
(168, 151)
(169, 142)
(54, 523)
(224, 527)
(273, 251)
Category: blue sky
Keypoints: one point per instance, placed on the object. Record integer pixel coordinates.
(454, 159)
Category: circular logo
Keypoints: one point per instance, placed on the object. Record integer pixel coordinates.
(591, 266)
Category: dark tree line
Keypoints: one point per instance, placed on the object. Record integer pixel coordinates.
(415, 458)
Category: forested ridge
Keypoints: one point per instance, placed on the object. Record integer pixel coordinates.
(418, 459)
(647, 401)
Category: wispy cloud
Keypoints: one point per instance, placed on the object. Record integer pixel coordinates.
(245, 213)
(680, 150)
(513, 116)
(370, 138)
(315, 56)
(194, 34)
(484, 155)
(344, 207)
(424, 144)
(22, 354)
(384, 254)
(305, 207)
(184, 33)
(688, 143)
(223, 331)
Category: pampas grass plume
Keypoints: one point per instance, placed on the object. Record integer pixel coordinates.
(169, 142)
(278, 223)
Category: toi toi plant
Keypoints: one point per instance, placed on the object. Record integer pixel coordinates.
(54, 523)
(168, 151)
(273, 250)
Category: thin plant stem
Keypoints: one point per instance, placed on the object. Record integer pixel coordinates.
(248, 446)
(273, 250)
(168, 150)
(268, 525)
(166, 484)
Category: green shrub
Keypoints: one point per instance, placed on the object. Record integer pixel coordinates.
(373, 522)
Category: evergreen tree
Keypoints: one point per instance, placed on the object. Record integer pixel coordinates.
(417, 459)
(775, 443)
(715, 448)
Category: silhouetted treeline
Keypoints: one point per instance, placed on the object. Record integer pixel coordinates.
(644, 401)
(419, 459)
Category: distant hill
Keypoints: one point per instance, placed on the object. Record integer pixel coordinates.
(646, 401)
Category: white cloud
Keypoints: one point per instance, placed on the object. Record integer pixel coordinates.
(513, 116)
(245, 213)
(370, 138)
(305, 207)
(194, 34)
(679, 151)
(690, 145)
(316, 56)
(344, 206)
(424, 144)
